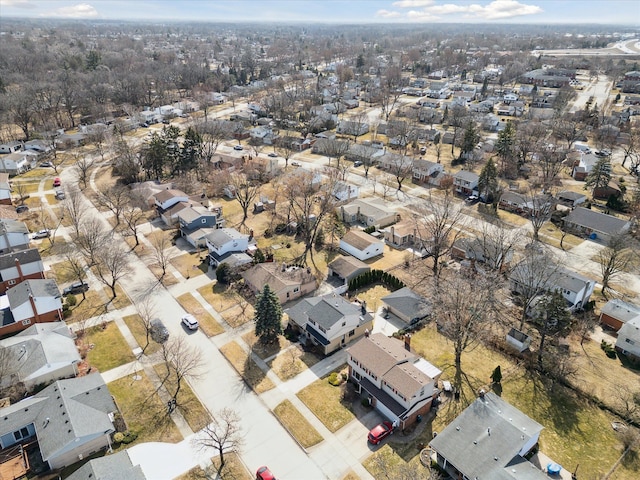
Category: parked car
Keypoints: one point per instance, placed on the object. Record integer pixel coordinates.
(41, 234)
(190, 322)
(423, 150)
(273, 155)
(238, 147)
(22, 208)
(75, 288)
(57, 182)
(60, 195)
(295, 164)
(46, 164)
(159, 332)
(379, 432)
(357, 163)
(144, 125)
(471, 200)
(264, 473)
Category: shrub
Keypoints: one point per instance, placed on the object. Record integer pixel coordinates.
(344, 376)
(118, 437)
(608, 349)
(129, 437)
(334, 379)
(66, 311)
(71, 300)
(223, 273)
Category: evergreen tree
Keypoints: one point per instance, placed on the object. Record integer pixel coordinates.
(190, 151)
(268, 316)
(488, 181)
(470, 140)
(600, 176)
(504, 145)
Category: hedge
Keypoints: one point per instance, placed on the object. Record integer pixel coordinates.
(374, 276)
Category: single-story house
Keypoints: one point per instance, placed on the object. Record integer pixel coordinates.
(396, 382)
(407, 305)
(489, 439)
(70, 419)
(287, 281)
(596, 225)
(403, 234)
(347, 268)
(345, 191)
(368, 212)
(486, 251)
(615, 313)
(628, 342)
(329, 322)
(361, 245)
(571, 199)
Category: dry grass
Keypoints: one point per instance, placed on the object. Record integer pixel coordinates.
(107, 347)
(139, 332)
(234, 469)
(247, 368)
(265, 350)
(142, 409)
(189, 265)
(61, 273)
(372, 295)
(207, 323)
(351, 475)
(325, 401)
(235, 310)
(292, 361)
(297, 425)
(512, 218)
(121, 300)
(551, 235)
(391, 258)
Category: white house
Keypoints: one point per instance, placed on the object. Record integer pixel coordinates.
(225, 242)
(465, 182)
(628, 342)
(426, 171)
(345, 191)
(166, 199)
(361, 245)
(14, 235)
(18, 162)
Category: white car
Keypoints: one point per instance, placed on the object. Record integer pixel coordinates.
(41, 234)
(190, 322)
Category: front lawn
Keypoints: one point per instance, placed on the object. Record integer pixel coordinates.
(106, 347)
(265, 350)
(247, 368)
(189, 265)
(297, 425)
(325, 401)
(235, 310)
(207, 323)
(92, 305)
(143, 411)
(292, 361)
(139, 332)
(62, 273)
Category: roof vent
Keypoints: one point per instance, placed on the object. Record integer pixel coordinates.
(495, 458)
(458, 429)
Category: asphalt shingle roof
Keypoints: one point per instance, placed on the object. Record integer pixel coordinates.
(600, 222)
(117, 466)
(8, 260)
(409, 303)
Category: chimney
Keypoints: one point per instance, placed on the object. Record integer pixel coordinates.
(481, 393)
(19, 268)
(407, 342)
(363, 307)
(366, 333)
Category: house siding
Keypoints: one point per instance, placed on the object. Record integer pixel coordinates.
(85, 449)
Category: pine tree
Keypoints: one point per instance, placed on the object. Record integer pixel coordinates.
(551, 318)
(469, 141)
(268, 316)
(488, 181)
(600, 176)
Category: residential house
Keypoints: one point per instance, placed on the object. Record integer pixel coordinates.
(14, 235)
(346, 268)
(329, 322)
(583, 166)
(227, 245)
(575, 288)
(166, 199)
(42, 353)
(116, 466)
(195, 219)
(628, 342)
(361, 245)
(438, 90)
(70, 419)
(447, 138)
(571, 199)
(11, 147)
(397, 382)
(407, 305)
(29, 302)
(363, 153)
(352, 128)
(489, 440)
(615, 313)
(394, 161)
(5, 189)
(595, 225)
(39, 146)
(368, 212)
(426, 171)
(287, 281)
(466, 182)
(513, 202)
(611, 189)
(485, 250)
(18, 162)
(506, 110)
(403, 234)
(170, 215)
(345, 191)
(18, 266)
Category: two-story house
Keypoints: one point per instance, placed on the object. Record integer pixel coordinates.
(14, 235)
(227, 245)
(5, 189)
(426, 171)
(628, 341)
(329, 322)
(398, 383)
(70, 419)
(166, 199)
(466, 182)
(196, 222)
(368, 212)
(19, 266)
(287, 281)
(32, 301)
(18, 162)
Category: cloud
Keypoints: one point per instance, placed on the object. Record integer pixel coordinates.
(17, 4)
(421, 15)
(387, 14)
(412, 3)
(81, 10)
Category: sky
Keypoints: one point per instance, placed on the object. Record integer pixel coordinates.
(621, 12)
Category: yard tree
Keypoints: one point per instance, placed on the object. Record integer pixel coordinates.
(245, 192)
(284, 148)
(81, 168)
(268, 317)
(488, 181)
(132, 216)
(92, 239)
(631, 148)
(551, 318)
(470, 139)
(161, 252)
(456, 119)
(600, 175)
(190, 152)
(75, 265)
(112, 264)
(182, 362)
(529, 137)
(505, 146)
(539, 210)
(223, 434)
(335, 148)
(615, 258)
(146, 312)
(401, 167)
(550, 161)
(114, 198)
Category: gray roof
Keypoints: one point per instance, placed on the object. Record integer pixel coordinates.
(486, 437)
(8, 260)
(408, 303)
(569, 195)
(191, 214)
(325, 311)
(222, 236)
(62, 413)
(117, 466)
(345, 266)
(12, 226)
(467, 176)
(599, 222)
(39, 288)
(620, 310)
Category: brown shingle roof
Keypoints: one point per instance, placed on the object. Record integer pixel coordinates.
(359, 240)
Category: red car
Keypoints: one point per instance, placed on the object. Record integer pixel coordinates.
(57, 182)
(379, 432)
(264, 473)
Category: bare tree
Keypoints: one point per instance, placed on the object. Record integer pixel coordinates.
(21, 189)
(74, 263)
(498, 242)
(75, 209)
(401, 167)
(132, 217)
(245, 192)
(614, 259)
(161, 252)
(284, 148)
(81, 167)
(112, 265)
(223, 434)
(114, 198)
(335, 148)
(182, 361)
(539, 210)
(92, 238)
(146, 310)
(550, 160)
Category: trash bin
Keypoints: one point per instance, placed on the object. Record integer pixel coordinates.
(418, 418)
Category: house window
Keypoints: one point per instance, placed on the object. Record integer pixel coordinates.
(11, 282)
(357, 375)
(20, 434)
(352, 333)
(628, 340)
(296, 289)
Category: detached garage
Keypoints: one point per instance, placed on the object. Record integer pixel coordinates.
(361, 245)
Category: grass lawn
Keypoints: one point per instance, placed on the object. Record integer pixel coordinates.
(292, 361)
(227, 302)
(109, 347)
(62, 273)
(246, 367)
(188, 404)
(207, 323)
(142, 409)
(121, 300)
(91, 306)
(551, 235)
(265, 350)
(297, 425)
(574, 430)
(234, 469)
(391, 258)
(26, 186)
(134, 322)
(325, 401)
(47, 250)
(372, 295)
(189, 265)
